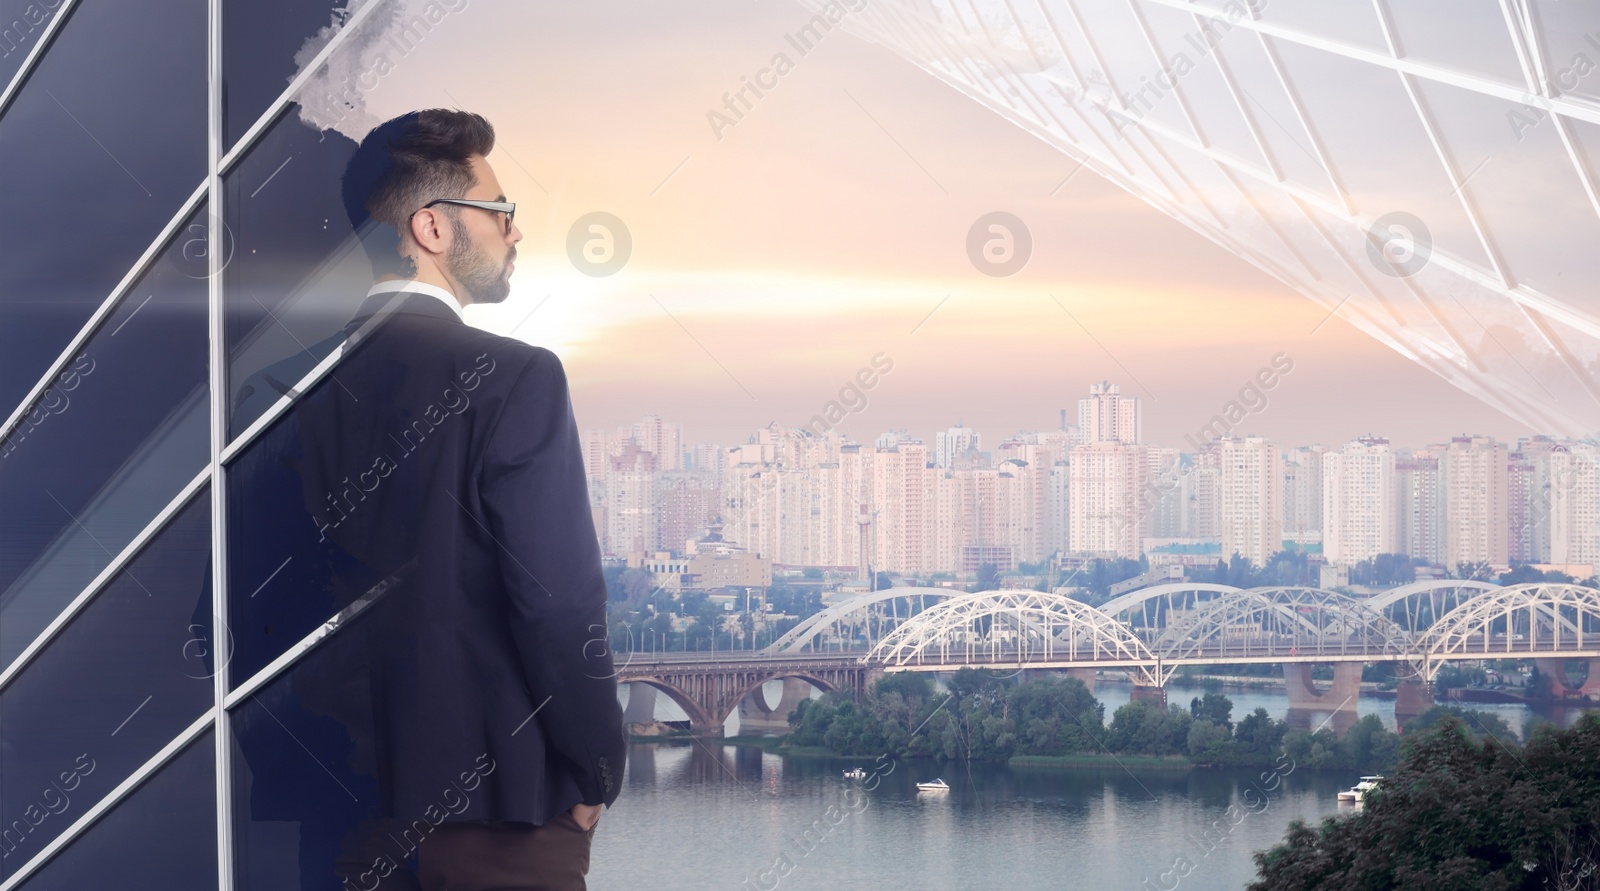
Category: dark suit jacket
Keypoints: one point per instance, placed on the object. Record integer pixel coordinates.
(445, 460)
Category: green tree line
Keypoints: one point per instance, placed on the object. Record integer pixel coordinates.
(985, 717)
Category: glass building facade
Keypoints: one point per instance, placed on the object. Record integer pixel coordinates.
(170, 639)
(1427, 169)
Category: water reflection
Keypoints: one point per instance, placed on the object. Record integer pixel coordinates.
(701, 814)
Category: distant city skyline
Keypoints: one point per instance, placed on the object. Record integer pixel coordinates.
(814, 495)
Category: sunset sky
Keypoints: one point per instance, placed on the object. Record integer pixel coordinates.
(830, 224)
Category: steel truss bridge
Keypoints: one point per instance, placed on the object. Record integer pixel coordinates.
(1148, 633)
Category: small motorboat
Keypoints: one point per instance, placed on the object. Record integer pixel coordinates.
(938, 785)
(855, 773)
(1355, 794)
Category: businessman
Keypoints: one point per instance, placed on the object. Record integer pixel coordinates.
(444, 461)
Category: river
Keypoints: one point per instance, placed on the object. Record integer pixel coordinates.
(702, 814)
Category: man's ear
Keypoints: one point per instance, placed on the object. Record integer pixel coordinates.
(428, 231)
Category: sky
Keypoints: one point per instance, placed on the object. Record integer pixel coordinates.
(775, 257)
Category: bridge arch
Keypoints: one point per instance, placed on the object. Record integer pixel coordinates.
(1283, 621)
(798, 637)
(1416, 606)
(1147, 610)
(698, 714)
(1013, 628)
(1549, 618)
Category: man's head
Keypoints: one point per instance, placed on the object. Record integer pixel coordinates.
(418, 158)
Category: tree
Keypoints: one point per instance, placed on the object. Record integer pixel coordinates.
(1143, 728)
(1460, 812)
(1260, 735)
(1215, 707)
(1481, 724)
(988, 577)
(1384, 570)
(1209, 742)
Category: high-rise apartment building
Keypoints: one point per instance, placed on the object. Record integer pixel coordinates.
(632, 504)
(1202, 495)
(1106, 516)
(1162, 494)
(1574, 515)
(689, 503)
(662, 438)
(1473, 471)
(1251, 489)
(1419, 504)
(902, 489)
(1528, 505)
(1108, 416)
(950, 444)
(1302, 493)
(1358, 501)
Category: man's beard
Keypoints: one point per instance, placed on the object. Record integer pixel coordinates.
(484, 279)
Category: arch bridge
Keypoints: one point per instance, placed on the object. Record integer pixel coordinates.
(1149, 634)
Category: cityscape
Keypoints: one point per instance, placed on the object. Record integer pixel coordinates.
(806, 444)
(1092, 489)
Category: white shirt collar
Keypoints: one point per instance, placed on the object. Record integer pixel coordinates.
(416, 287)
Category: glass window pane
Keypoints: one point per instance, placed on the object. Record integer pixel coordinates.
(1346, 101)
(1468, 36)
(1569, 38)
(284, 581)
(1345, 21)
(298, 272)
(119, 682)
(1274, 114)
(163, 837)
(261, 46)
(1523, 187)
(22, 23)
(111, 443)
(304, 773)
(1195, 78)
(94, 166)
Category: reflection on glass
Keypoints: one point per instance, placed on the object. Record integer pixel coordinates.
(119, 682)
(134, 140)
(285, 579)
(106, 447)
(298, 272)
(21, 29)
(1567, 34)
(161, 838)
(305, 790)
(262, 45)
(1467, 36)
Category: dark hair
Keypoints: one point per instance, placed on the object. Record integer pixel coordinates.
(403, 164)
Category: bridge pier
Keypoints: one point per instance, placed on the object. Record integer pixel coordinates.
(641, 706)
(1556, 669)
(1303, 693)
(1154, 695)
(755, 716)
(1087, 675)
(1411, 698)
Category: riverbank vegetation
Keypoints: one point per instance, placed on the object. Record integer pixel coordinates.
(1464, 809)
(986, 717)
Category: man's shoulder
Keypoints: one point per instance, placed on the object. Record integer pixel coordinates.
(507, 353)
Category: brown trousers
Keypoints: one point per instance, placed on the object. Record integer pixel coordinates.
(506, 856)
(481, 856)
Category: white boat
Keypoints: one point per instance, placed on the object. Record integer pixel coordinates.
(938, 785)
(854, 773)
(1358, 792)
